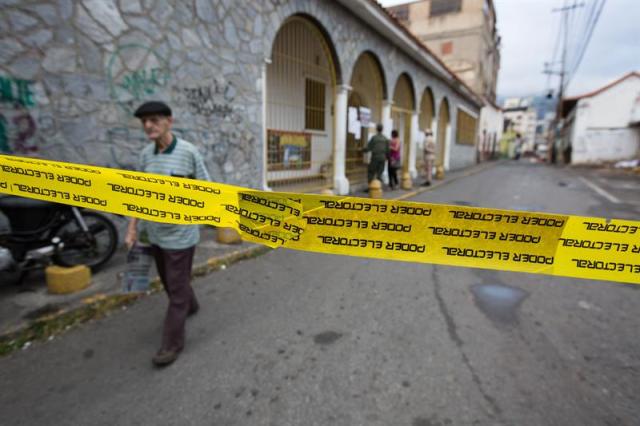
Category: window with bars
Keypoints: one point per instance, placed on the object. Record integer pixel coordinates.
(314, 105)
(466, 129)
(442, 7)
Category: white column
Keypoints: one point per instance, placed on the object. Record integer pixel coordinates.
(415, 133)
(340, 181)
(450, 135)
(387, 122)
(434, 130)
(386, 118)
(263, 83)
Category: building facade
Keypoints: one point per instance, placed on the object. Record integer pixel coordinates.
(462, 33)
(602, 125)
(523, 120)
(276, 94)
(491, 127)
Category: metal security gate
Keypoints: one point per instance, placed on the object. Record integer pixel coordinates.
(425, 122)
(301, 83)
(401, 112)
(365, 100)
(357, 136)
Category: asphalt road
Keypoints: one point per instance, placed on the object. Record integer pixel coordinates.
(295, 338)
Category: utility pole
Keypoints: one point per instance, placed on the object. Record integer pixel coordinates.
(562, 72)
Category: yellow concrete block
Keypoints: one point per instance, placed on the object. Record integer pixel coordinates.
(407, 183)
(375, 189)
(228, 236)
(61, 280)
(439, 172)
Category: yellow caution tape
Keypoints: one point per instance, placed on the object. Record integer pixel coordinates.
(540, 243)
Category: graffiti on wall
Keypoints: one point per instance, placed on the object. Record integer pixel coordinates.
(207, 111)
(22, 129)
(16, 91)
(215, 99)
(219, 148)
(136, 73)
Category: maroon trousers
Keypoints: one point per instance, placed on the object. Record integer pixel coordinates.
(174, 268)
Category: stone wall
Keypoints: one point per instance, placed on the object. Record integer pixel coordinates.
(72, 72)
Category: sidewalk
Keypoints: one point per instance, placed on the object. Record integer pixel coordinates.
(28, 312)
(451, 176)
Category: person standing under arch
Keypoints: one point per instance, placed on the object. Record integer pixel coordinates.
(429, 153)
(379, 147)
(394, 159)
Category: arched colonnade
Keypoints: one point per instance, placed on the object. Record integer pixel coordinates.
(318, 118)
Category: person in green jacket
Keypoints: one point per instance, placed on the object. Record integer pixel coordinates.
(379, 147)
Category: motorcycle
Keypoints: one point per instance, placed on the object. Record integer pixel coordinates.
(40, 233)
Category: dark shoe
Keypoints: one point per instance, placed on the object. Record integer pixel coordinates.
(164, 357)
(194, 310)
(426, 184)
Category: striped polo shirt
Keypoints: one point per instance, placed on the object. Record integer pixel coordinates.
(180, 159)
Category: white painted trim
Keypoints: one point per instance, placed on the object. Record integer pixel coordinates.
(468, 111)
(265, 166)
(385, 114)
(340, 181)
(415, 131)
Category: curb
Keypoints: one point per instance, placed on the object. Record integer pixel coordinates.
(470, 172)
(101, 305)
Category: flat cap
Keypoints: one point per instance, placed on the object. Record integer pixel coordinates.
(153, 108)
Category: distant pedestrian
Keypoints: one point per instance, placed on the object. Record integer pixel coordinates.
(429, 156)
(379, 147)
(173, 246)
(518, 145)
(394, 159)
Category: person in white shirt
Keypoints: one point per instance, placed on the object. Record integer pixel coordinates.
(429, 154)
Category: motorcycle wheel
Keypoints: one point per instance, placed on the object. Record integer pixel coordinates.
(94, 248)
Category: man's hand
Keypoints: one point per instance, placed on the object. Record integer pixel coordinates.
(132, 234)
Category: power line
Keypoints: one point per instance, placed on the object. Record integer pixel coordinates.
(564, 24)
(576, 35)
(584, 31)
(586, 44)
(558, 36)
(556, 45)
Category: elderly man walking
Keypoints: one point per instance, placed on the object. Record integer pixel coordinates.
(173, 245)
